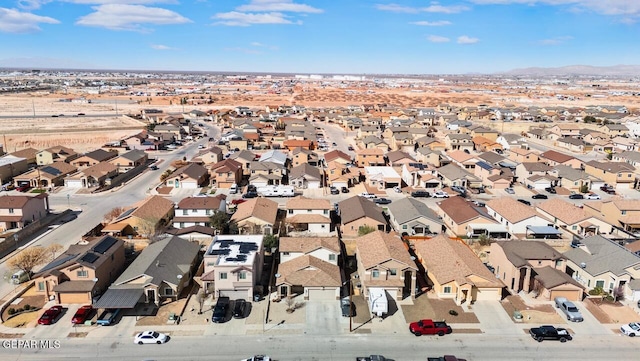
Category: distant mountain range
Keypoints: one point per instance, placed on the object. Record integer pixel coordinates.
(615, 70)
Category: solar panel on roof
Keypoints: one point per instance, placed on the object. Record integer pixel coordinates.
(104, 245)
(90, 257)
(126, 214)
(59, 262)
(217, 252)
(50, 170)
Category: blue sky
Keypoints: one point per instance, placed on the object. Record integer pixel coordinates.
(312, 36)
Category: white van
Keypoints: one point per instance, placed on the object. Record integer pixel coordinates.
(19, 277)
(233, 189)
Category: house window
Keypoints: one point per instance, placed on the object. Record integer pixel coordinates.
(185, 212)
(291, 211)
(375, 273)
(446, 289)
(325, 212)
(285, 253)
(558, 263)
(41, 286)
(208, 212)
(332, 257)
(11, 210)
(309, 211)
(242, 275)
(168, 292)
(574, 227)
(82, 274)
(624, 212)
(393, 272)
(223, 275)
(600, 283)
(404, 226)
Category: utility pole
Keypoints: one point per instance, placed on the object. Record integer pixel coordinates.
(33, 106)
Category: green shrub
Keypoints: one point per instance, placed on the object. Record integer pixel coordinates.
(11, 311)
(596, 291)
(27, 307)
(19, 310)
(453, 312)
(608, 298)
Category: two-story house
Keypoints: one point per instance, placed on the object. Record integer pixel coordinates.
(616, 174)
(256, 216)
(358, 212)
(143, 218)
(413, 217)
(56, 154)
(309, 214)
(572, 218)
(515, 216)
(189, 176)
(130, 160)
(19, 211)
(226, 173)
(370, 157)
(197, 211)
(620, 213)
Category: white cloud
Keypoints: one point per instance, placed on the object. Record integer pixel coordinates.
(453, 9)
(395, 8)
(130, 17)
(431, 23)
(278, 5)
(161, 47)
(32, 4)
(555, 41)
(15, 21)
(467, 40)
(433, 8)
(235, 18)
(437, 39)
(626, 8)
(119, 2)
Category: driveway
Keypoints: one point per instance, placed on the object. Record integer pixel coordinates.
(494, 319)
(590, 325)
(324, 318)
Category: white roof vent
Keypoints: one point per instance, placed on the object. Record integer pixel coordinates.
(583, 265)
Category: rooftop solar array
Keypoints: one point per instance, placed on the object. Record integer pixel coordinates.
(90, 257)
(125, 214)
(51, 170)
(58, 262)
(104, 245)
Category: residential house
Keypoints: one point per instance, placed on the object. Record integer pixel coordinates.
(384, 263)
(573, 179)
(266, 173)
(455, 272)
(382, 177)
(357, 212)
(572, 218)
(553, 158)
(45, 176)
(452, 175)
(17, 211)
(161, 272)
(233, 266)
(305, 176)
(27, 153)
(144, 218)
(370, 157)
(535, 175)
(398, 158)
(620, 213)
(97, 175)
(629, 157)
(574, 144)
(614, 130)
(244, 157)
(208, 156)
(82, 272)
(200, 234)
(458, 142)
(226, 173)
(275, 156)
(413, 217)
(197, 211)
(462, 159)
(601, 263)
(426, 155)
(515, 216)
(56, 154)
(370, 142)
(309, 267)
(533, 267)
(488, 133)
(92, 158)
(256, 216)
(309, 215)
(130, 160)
(522, 155)
(337, 156)
(303, 156)
(616, 174)
(190, 176)
(465, 219)
(624, 144)
(10, 166)
(563, 130)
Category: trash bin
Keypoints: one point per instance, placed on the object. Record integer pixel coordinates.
(517, 315)
(257, 298)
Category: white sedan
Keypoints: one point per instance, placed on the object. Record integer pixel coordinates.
(150, 337)
(632, 329)
(592, 196)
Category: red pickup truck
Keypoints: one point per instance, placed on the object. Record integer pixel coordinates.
(429, 327)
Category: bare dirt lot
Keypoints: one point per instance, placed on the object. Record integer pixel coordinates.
(544, 314)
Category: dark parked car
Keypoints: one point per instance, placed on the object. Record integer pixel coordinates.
(348, 308)
(420, 194)
(550, 333)
(334, 190)
(539, 196)
(350, 148)
(220, 310)
(550, 190)
(239, 308)
(608, 189)
(23, 188)
(576, 196)
(82, 314)
(49, 316)
(344, 190)
(251, 188)
(250, 195)
(524, 201)
(382, 201)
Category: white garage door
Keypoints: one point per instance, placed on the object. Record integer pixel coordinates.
(541, 185)
(189, 185)
(322, 295)
(488, 294)
(73, 183)
(234, 295)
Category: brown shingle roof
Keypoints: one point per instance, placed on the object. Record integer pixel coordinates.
(193, 171)
(154, 207)
(556, 156)
(301, 202)
(225, 166)
(100, 169)
(551, 277)
(449, 260)
(309, 271)
(306, 245)
(261, 208)
(458, 209)
(357, 207)
(201, 202)
(378, 247)
(512, 210)
(308, 218)
(520, 252)
(564, 211)
(28, 153)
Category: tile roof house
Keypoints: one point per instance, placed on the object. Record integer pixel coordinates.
(337, 156)
(464, 218)
(197, 211)
(309, 215)
(226, 173)
(617, 174)
(160, 272)
(572, 218)
(514, 215)
(623, 213)
(357, 212)
(456, 272)
(533, 267)
(413, 217)
(599, 262)
(129, 160)
(369, 157)
(46, 176)
(143, 218)
(92, 158)
(17, 211)
(305, 176)
(256, 216)
(384, 262)
(309, 267)
(54, 154)
(189, 176)
(95, 176)
(82, 271)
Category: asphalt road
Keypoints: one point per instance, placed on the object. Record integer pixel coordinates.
(320, 348)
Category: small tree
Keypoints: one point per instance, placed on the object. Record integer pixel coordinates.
(290, 302)
(201, 297)
(53, 249)
(30, 258)
(150, 228)
(584, 188)
(113, 214)
(366, 229)
(270, 241)
(220, 222)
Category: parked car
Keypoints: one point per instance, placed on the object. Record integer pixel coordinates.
(250, 194)
(368, 195)
(551, 190)
(238, 201)
(334, 144)
(258, 358)
(23, 188)
(344, 190)
(592, 196)
(524, 201)
(429, 327)
(420, 194)
(382, 201)
(150, 337)
(348, 308)
(576, 196)
(153, 167)
(233, 189)
(569, 309)
(82, 314)
(539, 196)
(334, 190)
(440, 194)
(397, 189)
(459, 189)
(49, 316)
(550, 333)
(509, 190)
(631, 329)
(608, 189)
(351, 148)
(446, 357)
(220, 310)
(239, 308)
(479, 204)
(373, 358)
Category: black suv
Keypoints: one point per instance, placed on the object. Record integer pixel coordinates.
(220, 310)
(334, 190)
(523, 201)
(420, 194)
(344, 190)
(576, 196)
(239, 308)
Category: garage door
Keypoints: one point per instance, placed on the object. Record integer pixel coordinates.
(488, 294)
(73, 183)
(234, 295)
(68, 298)
(322, 295)
(571, 295)
(541, 185)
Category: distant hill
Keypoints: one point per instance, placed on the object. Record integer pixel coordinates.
(615, 70)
